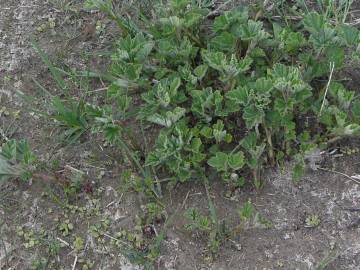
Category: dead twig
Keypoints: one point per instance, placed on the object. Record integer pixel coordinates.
(332, 66)
(184, 202)
(116, 239)
(63, 241)
(340, 173)
(217, 11)
(75, 261)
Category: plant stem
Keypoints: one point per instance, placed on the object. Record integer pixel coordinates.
(271, 148)
(132, 156)
(214, 218)
(332, 66)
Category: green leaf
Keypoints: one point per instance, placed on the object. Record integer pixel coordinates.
(9, 150)
(246, 211)
(216, 60)
(252, 116)
(112, 133)
(299, 169)
(200, 71)
(128, 70)
(221, 23)
(219, 161)
(206, 132)
(179, 4)
(238, 95)
(218, 100)
(350, 130)
(223, 42)
(324, 39)
(15, 159)
(186, 75)
(336, 55)
(263, 85)
(123, 102)
(193, 17)
(252, 30)
(195, 145)
(163, 95)
(236, 161)
(249, 142)
(174, 86)
(355, 109)
(152, 160)
(231, 19)
(349, 34)
(133, 49)
(169, 119)
(244, 64)
(218, 131)
(8, 170)
(342, 96)
(314, 22)
(205, 103)
(294, 41)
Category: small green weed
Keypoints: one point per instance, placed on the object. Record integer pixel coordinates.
(72, 118)
(30, 237)
(16, 160)
(66, 227)
(312, 221)
(250, 216)
(201, 223)
(6, 130)
(76, 183)
(324, 263)
(39, 264)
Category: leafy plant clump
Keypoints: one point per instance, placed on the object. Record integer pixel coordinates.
(16, 160)
(244, 93)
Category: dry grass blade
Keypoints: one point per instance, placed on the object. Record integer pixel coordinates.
(332, 66)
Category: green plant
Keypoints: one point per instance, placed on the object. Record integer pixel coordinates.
(247, 211)
(78, 244)
(16, 160)
(327, 260)
(106, 6)
(337, 9)
(76, 182)
(53, 246)
(39, 264)
(30, 237)
(71, 117)
(66, 227)
(227, 99)
(249, 81)
(312, 221)
(6, 130)
(197, 221)
(216, 233)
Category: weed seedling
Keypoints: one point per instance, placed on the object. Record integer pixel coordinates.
(66, 227)
(312, 221)
(16, 160)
